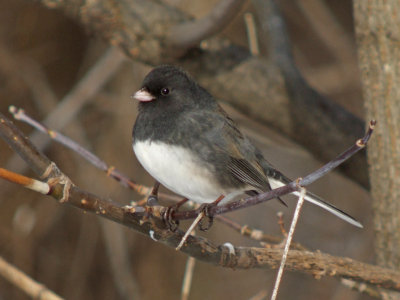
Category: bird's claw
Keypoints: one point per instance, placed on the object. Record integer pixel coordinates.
(172, 224)
(205, 208)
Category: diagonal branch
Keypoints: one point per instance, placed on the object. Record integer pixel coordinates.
(242, 203)
(293, 186)
(315, 264)
(19, 114)
(34, 289)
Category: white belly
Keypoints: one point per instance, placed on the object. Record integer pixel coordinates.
(176, 169)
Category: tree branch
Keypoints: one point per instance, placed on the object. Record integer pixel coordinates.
(25, 283)
(141, 220)
(220, 209)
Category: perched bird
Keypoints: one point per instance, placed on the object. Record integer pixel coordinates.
(189, 144)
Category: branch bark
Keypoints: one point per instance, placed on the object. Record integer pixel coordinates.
(378, 38)
(315, 264)
(142, 29)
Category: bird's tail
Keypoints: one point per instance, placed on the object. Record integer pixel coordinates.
(314, 199)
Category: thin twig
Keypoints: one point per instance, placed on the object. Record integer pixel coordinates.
(251, 34)
(231, 206)
(191, 228)
(256, 234)
(287, 244)
(281, 223)
(30, 183)
(21, 115)
(32, 288)
(182, 215)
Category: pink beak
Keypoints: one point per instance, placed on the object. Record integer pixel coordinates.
(143, 95)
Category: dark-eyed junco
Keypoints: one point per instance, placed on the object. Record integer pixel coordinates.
(188, 143)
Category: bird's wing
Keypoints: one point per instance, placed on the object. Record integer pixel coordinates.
(244, 171)
(238, 152)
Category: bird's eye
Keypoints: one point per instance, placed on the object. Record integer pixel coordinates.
(164, 91)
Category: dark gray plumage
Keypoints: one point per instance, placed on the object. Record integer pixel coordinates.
(184, 139)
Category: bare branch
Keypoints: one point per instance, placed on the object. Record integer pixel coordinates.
(148, 222)
(360, 144)
(256, 234)
(32, 288)
(293, 186)
(30, 183)
(20, 114)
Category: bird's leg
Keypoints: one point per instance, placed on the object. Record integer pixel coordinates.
(205, 208)
(167, 217)
(152, 200)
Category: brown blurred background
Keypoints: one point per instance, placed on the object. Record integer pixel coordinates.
(44, 54)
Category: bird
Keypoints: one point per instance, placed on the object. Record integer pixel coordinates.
(185, 140)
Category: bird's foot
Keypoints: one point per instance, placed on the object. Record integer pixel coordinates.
(152, 200)
(206, 210)
(172, 224)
